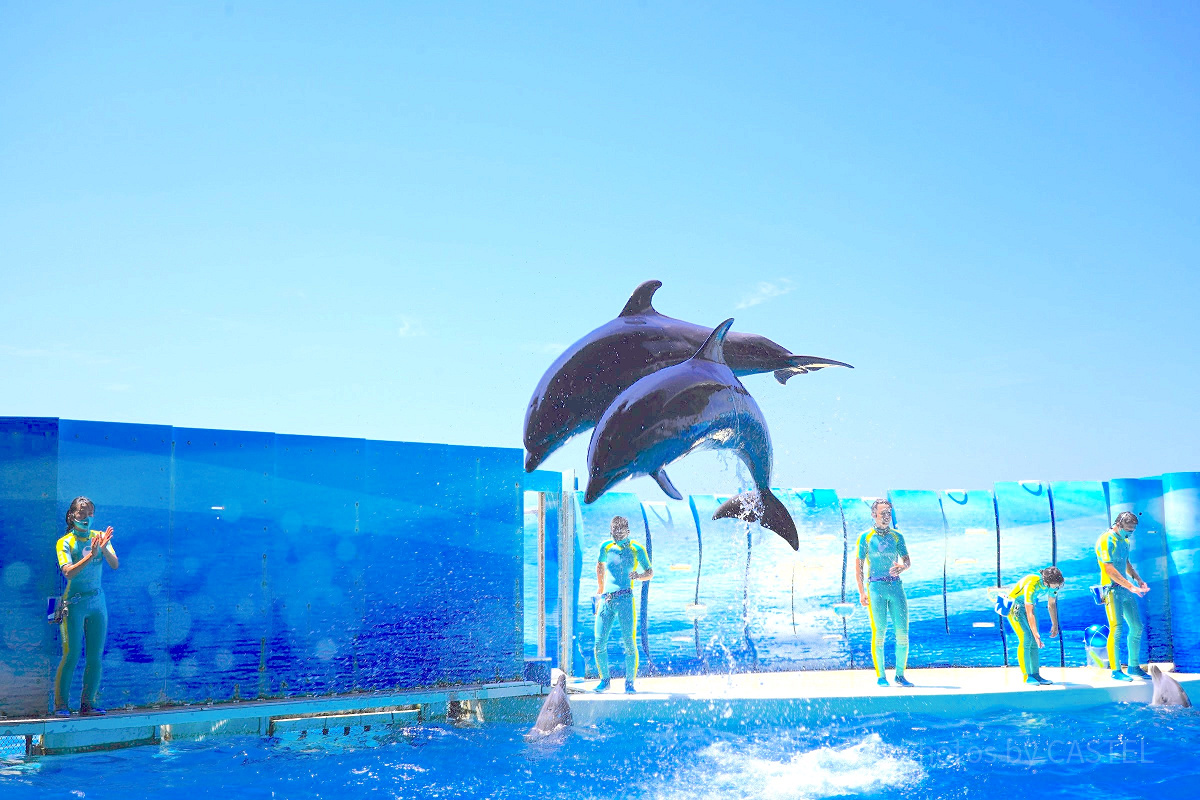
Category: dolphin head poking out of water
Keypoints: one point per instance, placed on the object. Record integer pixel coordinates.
(556, 711)
(1167, 691)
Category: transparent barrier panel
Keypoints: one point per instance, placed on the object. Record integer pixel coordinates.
(792, 594)
(856, 513)
(1148, 552)
(316, 563)
(1080, 516)
(1026, 545)
(1181, 513)
(671, 628)
(972, 564)
(549, 485)
(126, 471)
(593, 527)
(30, 524)
(918, 516)
(725, 645)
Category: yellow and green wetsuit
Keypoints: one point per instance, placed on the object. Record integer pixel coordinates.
(86, 625)
(1121, 606)
(619, 559)
(1027, 590)
(885, 594)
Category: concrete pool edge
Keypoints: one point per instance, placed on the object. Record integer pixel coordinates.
(805, 697)
(514, 700)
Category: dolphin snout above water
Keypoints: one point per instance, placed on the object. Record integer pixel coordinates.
(1167, 691)
(556, 711)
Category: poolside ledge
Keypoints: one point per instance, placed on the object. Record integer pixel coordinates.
(809, 696)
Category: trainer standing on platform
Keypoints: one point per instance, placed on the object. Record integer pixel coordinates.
(1121, 598)
(883, 550)
(616, 570)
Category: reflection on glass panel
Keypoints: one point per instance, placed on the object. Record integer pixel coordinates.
(792, 594)
(971, 577)
(918, 516)
(725, 645)
(670, 619)
(1148, 552)
(1026, 545)
(857, 514)
(593, 527)
(1080, 517)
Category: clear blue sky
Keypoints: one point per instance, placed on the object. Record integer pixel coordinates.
(386, 219)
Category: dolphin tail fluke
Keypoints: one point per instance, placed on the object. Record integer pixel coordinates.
(665, 484)
(765, 508)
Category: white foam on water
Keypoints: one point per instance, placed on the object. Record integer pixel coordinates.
(772, 773)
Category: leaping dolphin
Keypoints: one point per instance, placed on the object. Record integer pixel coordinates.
(1167, 691)
(697, 405)
(583, 381)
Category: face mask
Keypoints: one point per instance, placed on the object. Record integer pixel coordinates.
(84, 524)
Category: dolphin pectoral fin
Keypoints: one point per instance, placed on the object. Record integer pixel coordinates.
(763, 507)
(665, 484)
(640, 301)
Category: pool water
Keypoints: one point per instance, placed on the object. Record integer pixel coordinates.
(1121, 751)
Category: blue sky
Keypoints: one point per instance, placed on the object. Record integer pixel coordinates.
(386, 220)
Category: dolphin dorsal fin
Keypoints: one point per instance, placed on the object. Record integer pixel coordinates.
(639, 301)
(713, 348)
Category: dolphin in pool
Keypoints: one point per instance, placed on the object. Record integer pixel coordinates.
(1167, 691)
(583, 381)
(556, 711)
(697, 405)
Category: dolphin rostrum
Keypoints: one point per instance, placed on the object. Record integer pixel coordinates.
(584, 380)
(1167, 691)
(556, 711)
(697, 405)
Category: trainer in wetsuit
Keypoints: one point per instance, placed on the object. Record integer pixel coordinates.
(616, 570)
(885, 554)
(86, 623)
(1120, 604)
(1023, 618)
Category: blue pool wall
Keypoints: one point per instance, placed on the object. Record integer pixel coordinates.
(727, 596)
(264, 565)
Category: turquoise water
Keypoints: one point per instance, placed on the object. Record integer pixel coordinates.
(1124, 751)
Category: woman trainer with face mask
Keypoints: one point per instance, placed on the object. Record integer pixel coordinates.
(86, 621)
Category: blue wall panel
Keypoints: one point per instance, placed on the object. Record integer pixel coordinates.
(972, 558)
(918, 515)
(126, 471)
(29, 526)
(1181, 514)
(671, 628)
(1080, 516)
(791, 594)
(262, 565)
(1026, 545)
(725, 644)
(1148, 552)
